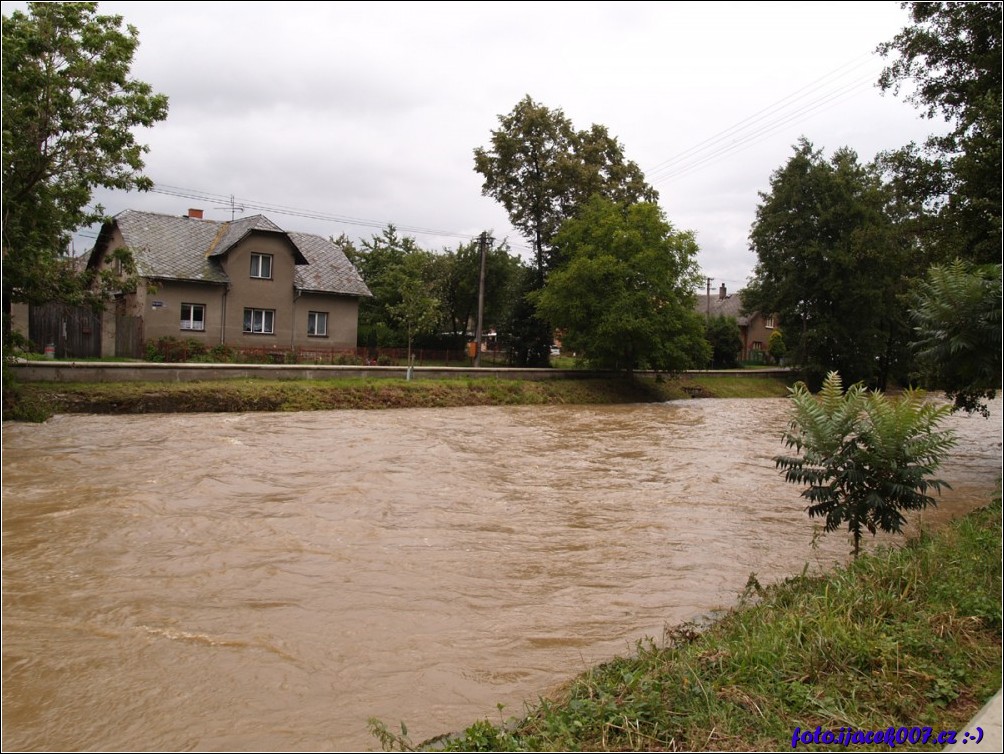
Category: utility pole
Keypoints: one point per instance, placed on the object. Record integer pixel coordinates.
(484, 240)
(709, 299)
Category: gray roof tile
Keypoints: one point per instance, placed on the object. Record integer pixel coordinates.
(234, 231)
(329, 270)
(184, 248)
(170, 247)
(730, 306)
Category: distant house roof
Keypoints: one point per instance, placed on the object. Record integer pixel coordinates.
(169, 247)
(722, 304)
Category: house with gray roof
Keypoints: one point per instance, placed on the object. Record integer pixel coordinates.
(754, 327)
(246, 283)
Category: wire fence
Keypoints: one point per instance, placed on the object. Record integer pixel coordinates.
(174, 350)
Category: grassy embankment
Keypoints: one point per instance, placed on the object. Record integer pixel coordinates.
(36, 401)
(903, 637)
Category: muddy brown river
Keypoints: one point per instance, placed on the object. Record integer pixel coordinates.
(271, 581)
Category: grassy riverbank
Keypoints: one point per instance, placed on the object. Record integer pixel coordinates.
(36, 401)
(903, 637)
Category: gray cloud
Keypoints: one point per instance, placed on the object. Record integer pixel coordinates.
(372, 110)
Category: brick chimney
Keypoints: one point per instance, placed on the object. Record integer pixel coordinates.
(721, 293)
(195, 214)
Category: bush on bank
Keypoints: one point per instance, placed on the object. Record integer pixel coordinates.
(902, 637)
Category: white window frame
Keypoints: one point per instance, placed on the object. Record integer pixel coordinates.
(258, 264)
(262, 319)
(317, 324)
(190, 322)
(768, 322)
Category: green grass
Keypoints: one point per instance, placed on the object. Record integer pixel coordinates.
(37, 401)
(902, 637)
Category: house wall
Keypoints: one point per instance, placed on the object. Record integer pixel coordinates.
(131, 304)
(273, 294)
(758, 333)
(343, 318)
(19, 318)
(162, 310)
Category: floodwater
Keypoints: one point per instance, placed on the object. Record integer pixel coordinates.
(271, 581)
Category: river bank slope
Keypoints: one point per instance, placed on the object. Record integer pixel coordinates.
(35, 401)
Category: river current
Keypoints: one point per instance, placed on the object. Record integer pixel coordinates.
(270, 581)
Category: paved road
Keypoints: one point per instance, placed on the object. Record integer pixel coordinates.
(989, 719)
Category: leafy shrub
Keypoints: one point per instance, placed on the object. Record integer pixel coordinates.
(776, 346)
(223, 354)
(864, 456)
(722, 333)
(173, 350)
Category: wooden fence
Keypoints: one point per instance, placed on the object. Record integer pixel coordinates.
(71, 331)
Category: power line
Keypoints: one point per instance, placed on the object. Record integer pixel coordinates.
(796, 106)
(757, 116)
(244, 204)
(310, 214)
(760, 134)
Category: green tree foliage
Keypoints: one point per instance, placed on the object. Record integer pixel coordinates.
(70, 109)
(458, 285)
(624, 299)
(542, 170)
(864, 457)
(952, 54)
(831, 262)
(725, 340)
(525, 338)
(957, 315)
(405, 279)
(381, 261)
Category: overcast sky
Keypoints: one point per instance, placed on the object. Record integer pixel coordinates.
(367, 113)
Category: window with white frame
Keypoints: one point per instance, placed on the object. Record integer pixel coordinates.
(317, 324)
(768, 322)
(193, 317)
(259, 321)
(261, 265)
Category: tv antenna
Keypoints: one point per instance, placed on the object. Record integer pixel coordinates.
(233, 207)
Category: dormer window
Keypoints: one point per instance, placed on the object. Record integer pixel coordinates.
(261, 266)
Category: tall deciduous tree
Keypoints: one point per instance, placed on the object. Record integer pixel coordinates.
(831, 262)
(70, 109)
(542, 170)
(624, 299)
(952, 53)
